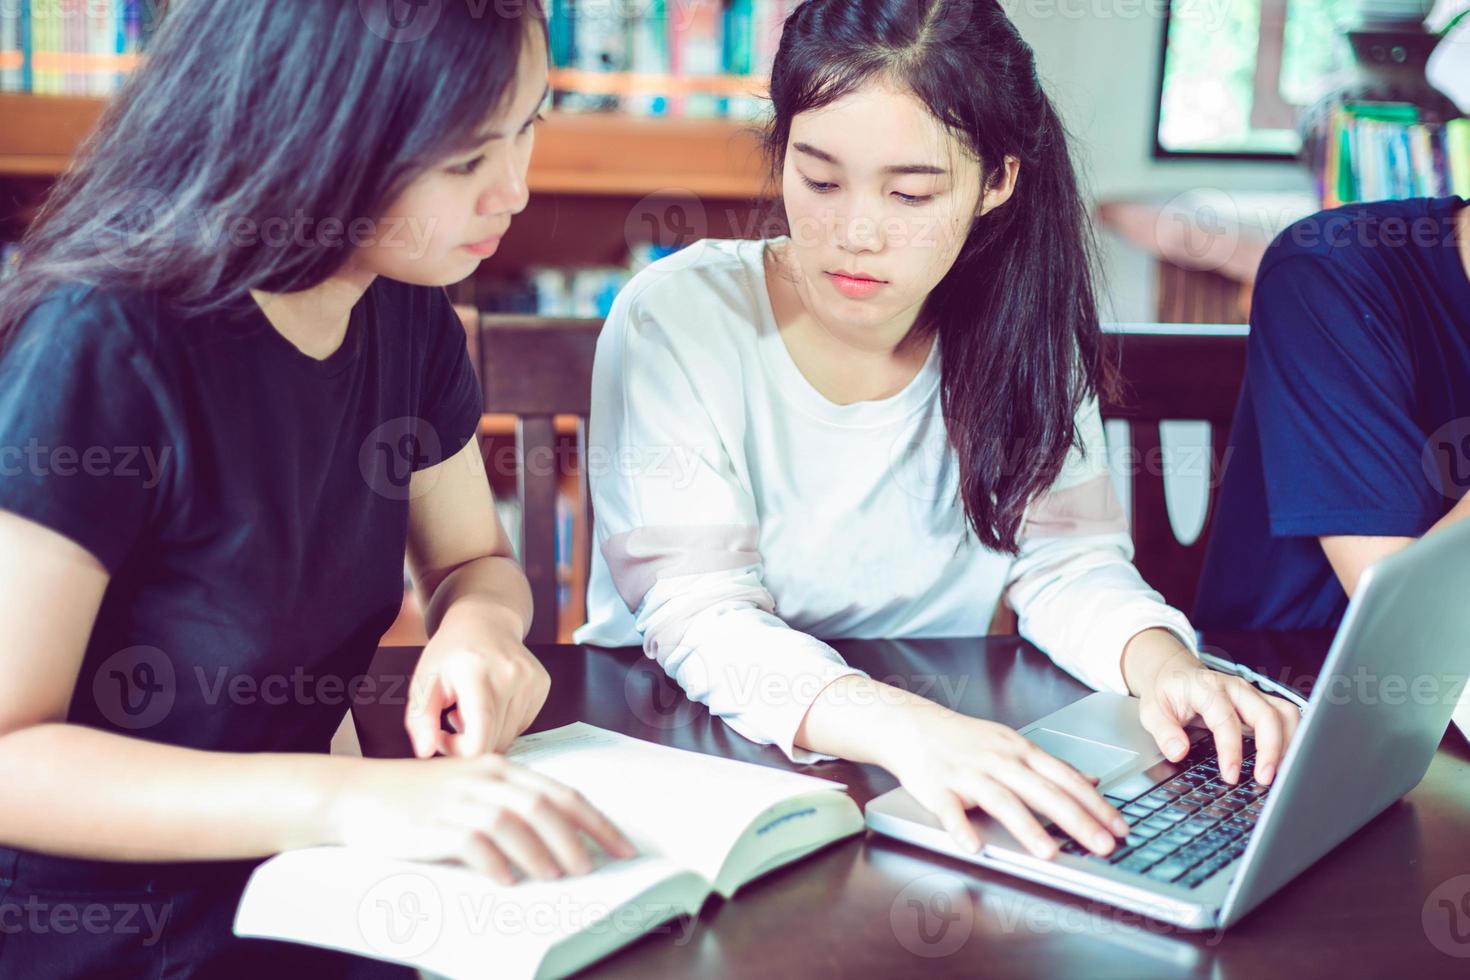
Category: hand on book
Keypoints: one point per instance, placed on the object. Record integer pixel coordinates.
(488, 813)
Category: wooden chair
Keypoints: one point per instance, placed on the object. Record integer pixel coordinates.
(1173, 372)
(537, 368)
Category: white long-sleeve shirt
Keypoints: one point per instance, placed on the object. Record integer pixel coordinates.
(740, 514)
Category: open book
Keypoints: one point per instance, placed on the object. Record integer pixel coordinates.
(701, 824)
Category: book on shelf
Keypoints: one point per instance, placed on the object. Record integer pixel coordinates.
(72, 47)
(553, 291)
(700, 58)
(702, 824)
(1375, 151)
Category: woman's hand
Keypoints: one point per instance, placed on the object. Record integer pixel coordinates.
(951, 762)
(481, 669)
(490, 814)
(1176, 689)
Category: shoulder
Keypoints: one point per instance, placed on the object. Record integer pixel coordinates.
(1356, 246)
(73, 322)
(707, 296)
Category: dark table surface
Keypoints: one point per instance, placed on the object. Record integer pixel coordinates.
(1392, 900)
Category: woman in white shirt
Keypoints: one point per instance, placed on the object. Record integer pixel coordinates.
(885, 421)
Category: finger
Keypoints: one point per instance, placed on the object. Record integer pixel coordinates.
(1081, 788)
(475, 702)
(421, 719)
(1291, 718)
(576, 808)
(508, 830)
(1045, 798)
(545, 815)
(1219, 714)
(950, 810)
(479, 853)
(1266, 727)
(1161, 720)
(1006, 807)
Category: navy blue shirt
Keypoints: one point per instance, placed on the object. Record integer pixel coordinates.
(1355, 414)
(250, 502)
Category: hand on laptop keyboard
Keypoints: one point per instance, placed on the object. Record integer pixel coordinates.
(1175, 689)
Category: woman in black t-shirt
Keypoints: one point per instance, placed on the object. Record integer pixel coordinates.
(232, 392)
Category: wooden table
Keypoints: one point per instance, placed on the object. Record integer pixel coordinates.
(870, 906)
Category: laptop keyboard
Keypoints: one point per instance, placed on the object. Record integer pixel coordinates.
(1186, 828)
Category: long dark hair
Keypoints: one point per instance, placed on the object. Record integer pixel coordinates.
(1016, 318)
(316, 111)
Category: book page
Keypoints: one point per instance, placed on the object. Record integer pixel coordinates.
(449, 919)
(1462, 711)
(689, 807)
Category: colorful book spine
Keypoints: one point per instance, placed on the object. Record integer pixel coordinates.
(1457, 152)
(1380, 151)
(11, 55)
(650, 58)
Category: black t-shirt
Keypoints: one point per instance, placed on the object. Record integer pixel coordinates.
(1355, 414)
(249, 501)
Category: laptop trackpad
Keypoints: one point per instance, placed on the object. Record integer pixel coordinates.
(1085, 755)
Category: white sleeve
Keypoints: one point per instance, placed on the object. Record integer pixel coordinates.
(1075, 590)
(677, 524)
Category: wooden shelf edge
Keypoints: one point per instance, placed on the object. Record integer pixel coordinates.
(606, 154)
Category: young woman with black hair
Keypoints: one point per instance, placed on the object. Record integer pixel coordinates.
(232, 392)
(884, 421)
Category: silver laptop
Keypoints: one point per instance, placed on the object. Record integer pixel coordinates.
(1202, 853)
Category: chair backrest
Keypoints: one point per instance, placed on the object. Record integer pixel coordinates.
(537, 368)
(1173, 372)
